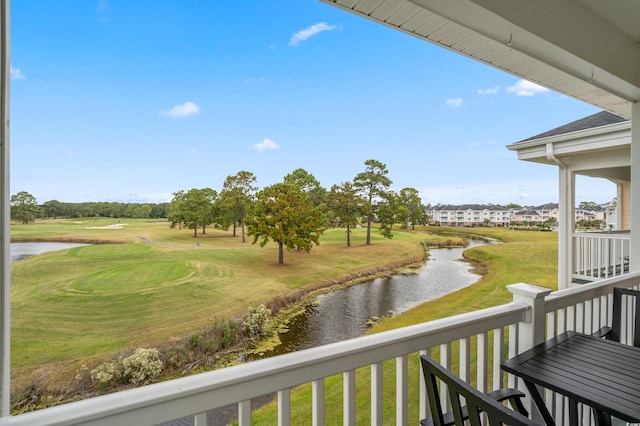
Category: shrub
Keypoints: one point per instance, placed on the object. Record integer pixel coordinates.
(138, 367)
(81, 373)
(176, 356)
(229, 329)
(195, 341)
(256, 321)
(142, 365)
(105, 373)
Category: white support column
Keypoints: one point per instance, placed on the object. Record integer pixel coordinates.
(5, 216)
(619, 197)
(566, 205)
(634, 190)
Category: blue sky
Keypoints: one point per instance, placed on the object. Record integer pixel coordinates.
(129, 101)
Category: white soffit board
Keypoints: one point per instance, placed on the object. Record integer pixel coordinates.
(472, 30)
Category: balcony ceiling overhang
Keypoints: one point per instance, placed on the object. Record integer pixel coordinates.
(586, 49)
(603, 151)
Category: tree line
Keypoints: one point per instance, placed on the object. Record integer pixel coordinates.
(25, 209)
(293, 213)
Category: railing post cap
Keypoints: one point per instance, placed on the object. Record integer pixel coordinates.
(528, 290)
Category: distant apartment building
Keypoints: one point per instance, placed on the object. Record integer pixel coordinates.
(536, 215)
(493, 215)
(610, 217)
(470, 215)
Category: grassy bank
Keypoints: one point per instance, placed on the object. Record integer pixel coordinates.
(522, 256)
(158, 285)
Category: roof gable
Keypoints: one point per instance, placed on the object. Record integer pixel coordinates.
(600, 119)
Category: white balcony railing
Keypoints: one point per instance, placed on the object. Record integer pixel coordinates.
(478, 338)
(599, 255)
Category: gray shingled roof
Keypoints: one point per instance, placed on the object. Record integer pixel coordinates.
(470, 207)
(600, 119)
(548, 206)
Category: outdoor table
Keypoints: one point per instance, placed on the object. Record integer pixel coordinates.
(602, 374)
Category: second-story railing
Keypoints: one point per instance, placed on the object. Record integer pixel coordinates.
(472, 344)
(600, 255)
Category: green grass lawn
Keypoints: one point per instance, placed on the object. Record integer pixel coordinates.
(84, 305)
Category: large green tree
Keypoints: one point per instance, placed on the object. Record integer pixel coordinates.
(415, 211)
(346, 207)
(315, 191)
(175, 210)
(388, 211)
(193, 208)
(373, 184)
(236, 197)
(284, 214)
(54, 209)
(24, 207)
(308, 184)
(589, 205)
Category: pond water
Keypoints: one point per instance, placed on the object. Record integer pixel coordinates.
(343, 314)
(21, 251)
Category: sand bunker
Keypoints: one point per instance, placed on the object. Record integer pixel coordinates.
(114, 226)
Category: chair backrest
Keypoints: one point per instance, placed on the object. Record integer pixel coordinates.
(476, 401)
(616, 322)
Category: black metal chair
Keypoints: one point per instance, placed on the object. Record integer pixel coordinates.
(613, 332)
(476, 402)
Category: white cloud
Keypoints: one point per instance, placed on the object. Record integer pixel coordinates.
(192, 151)
(526, 88)
(184, 110)
(102, 5)
(306, 33)
(16, 74)
(254, 80)
(489, 91)
(454, 103)
(266, 145)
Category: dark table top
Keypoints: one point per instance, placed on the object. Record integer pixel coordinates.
(600, 373)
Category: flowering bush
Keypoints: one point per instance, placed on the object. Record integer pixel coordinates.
(256, 320)
(143, 364)
(105, 372)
